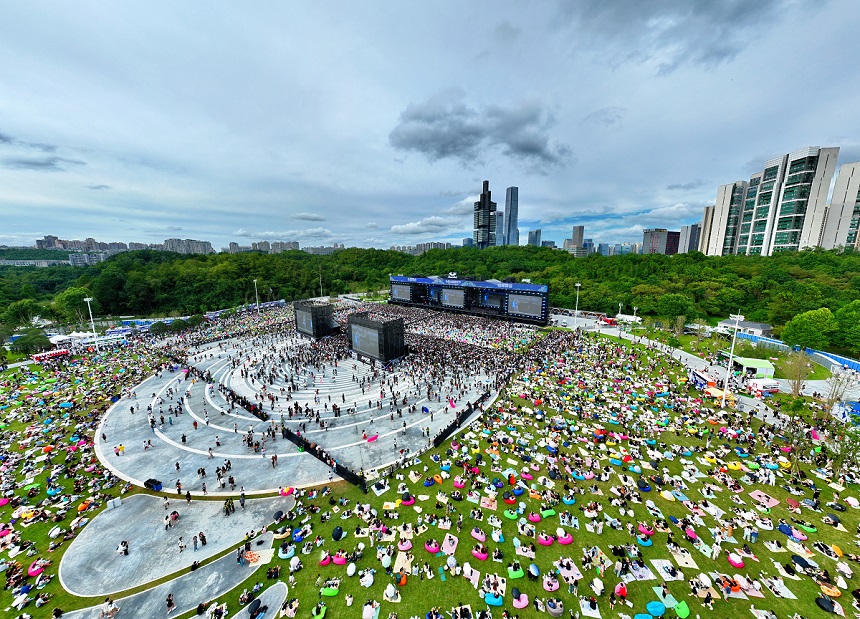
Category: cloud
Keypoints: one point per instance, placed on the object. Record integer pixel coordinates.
(466, 206)
(695, 184)
(287, 235)
(371, 225)
(670, 34)
(308, 217)
(428, 225)
(8, 139)
(41, 164)
(98, 187)
(445, 127)
(611, 117)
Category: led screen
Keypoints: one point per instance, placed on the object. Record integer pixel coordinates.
(304, 322)
(365, 340)
(492, 300)
(401, 292)
(454, 298)
(525, 305)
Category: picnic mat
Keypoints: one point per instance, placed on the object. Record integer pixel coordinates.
(449, 545)
(586, 609)
(404, 561)
(768, 500)
(488, 503)
(669, 601)
(685, 560)
(663, 568)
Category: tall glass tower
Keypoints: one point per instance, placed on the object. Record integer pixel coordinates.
(512, 200)
(484, 234)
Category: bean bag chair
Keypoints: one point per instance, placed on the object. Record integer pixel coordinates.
(521, 600)
(329, 592)
(350, 569)
(493, 600)
(514, 574)
(655, 609)
(337, 534)
(682, 609)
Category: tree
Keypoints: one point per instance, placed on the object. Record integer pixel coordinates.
(70, 305)
(845, 449)
(848, 326)
(33, 340)
(178, 325)
(812, 329)
(680, 322)
(797, 368)
(837, 385)
(158, 328)
(674, 305)
(701, 329)
(22, 313)
(195, 321)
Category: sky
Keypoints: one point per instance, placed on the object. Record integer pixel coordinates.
(374, 124)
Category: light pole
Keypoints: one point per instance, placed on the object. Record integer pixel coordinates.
(576, 310)
(737, 318)
(257, 296)
(92, 322)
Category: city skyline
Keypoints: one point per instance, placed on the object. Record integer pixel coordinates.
(228, 133)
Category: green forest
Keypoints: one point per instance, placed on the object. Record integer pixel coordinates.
(149, 283)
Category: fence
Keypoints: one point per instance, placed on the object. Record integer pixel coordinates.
(826, 359)
(320, 454)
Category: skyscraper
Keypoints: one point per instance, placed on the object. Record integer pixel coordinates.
(512, 207)
(660, 241)
(577, 236)
(842, 228)
(689, 240)
(534, 237)
(500, 228)
(725, 221)
(484, 234)
(705, 236)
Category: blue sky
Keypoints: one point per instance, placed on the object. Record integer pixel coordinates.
(374, 123)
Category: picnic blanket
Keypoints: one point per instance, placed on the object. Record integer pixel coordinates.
(669, 601)
(573, 573)
(639, 574)
(472, 575)
(768, 500)
(740, 595)
(449, 544)
(684, 560)
(403, 560)
(488, 503)
(664, 567)
(586, 609)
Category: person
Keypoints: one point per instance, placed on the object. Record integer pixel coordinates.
(171, 606)
(109, 609)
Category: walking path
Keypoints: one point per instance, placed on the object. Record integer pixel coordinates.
(204, 584)
(92, 565)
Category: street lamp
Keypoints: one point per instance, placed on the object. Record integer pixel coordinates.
(92, 322)
(576, 310)
(737, 318)
(257, 296)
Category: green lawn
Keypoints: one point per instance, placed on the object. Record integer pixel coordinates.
(419, 595)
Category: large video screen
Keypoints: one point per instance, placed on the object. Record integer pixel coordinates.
(365, 340)
(453, 298)
(491, 300)
(401, 292)
(304, 322)
(525, 305)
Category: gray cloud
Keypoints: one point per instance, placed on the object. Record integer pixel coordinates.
(287, 235)
(695, 184)
(670, 34)
(429, 225)
(444, 127)
(308, 216)
(98, 187)
(6, 139)
(41, 164)
(606, 117)
(371, 225)
(506, 33)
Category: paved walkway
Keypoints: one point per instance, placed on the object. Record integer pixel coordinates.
(202, 585)
(221, 429)
(91, 565)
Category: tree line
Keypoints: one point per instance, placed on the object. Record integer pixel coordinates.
(773, 289)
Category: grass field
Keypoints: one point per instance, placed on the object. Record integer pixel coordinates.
(420, 594)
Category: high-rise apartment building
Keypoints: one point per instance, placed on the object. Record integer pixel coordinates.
(782, 208)
(188, 246)
(500, 228)
(534, 237)
(705, 236)
(512, 213)
(484, 229)
(468, 242)
(689, 239)
(660, 241)
(577, 236)
(843, 216)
